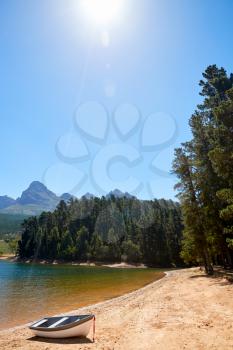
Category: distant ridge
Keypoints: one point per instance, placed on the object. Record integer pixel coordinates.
(37, 198)
(88, 195)
(66, 197)
(38, 194)
(6, 201)
(118, 194)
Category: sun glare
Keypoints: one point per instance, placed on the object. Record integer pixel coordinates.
(102, 11)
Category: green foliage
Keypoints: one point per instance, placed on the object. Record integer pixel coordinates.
(82, 243)
(4, 248)
(204, 168)
(8, 246)
(108, 230)
(13, 245)
(131, 252)
(10, 223)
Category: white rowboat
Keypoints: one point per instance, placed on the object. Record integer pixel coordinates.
(64, 326)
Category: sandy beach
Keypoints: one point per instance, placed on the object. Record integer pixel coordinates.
(7, 257)
(184, 310)
(121, 265)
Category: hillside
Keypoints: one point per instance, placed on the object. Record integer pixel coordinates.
(101, 229)
(11, 223)
(6, 201)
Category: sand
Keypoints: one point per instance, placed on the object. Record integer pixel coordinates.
(121, 265)
(185, 310)
(7, 257)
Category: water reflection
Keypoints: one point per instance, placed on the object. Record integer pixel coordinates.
(28, 292)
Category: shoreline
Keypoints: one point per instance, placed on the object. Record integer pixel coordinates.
(121, 265)
(68, 291)
(184, 310)
(7, 257)
(95, 305)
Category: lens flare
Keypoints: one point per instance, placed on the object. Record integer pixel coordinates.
(102, 11)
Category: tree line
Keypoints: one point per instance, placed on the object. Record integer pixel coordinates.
(106, 229)
(204, 166)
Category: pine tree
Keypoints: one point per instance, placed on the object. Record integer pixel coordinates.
(201, 181)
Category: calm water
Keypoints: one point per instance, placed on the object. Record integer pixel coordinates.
(31, 291)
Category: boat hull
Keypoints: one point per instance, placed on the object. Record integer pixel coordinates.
(80, 330)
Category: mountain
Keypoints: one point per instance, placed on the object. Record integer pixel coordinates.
(35, 199)
(66, 197)
(118, 194)
(38, 194)
(88, 195)
(6, 201)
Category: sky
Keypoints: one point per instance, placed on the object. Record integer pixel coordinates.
(91, 100)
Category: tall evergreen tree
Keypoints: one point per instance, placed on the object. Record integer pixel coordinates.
(201, 181)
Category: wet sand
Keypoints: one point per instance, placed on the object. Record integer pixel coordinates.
(185, 310)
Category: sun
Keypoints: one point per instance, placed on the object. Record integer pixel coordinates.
(102, 11)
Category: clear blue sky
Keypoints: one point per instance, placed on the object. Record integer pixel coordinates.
(54, 57)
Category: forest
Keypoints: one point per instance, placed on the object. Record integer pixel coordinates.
(204, 166)
(198, 230)
(106, 230)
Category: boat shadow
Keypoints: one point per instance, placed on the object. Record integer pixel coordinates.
(75, 340)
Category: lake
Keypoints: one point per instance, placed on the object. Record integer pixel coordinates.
(31, 291)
